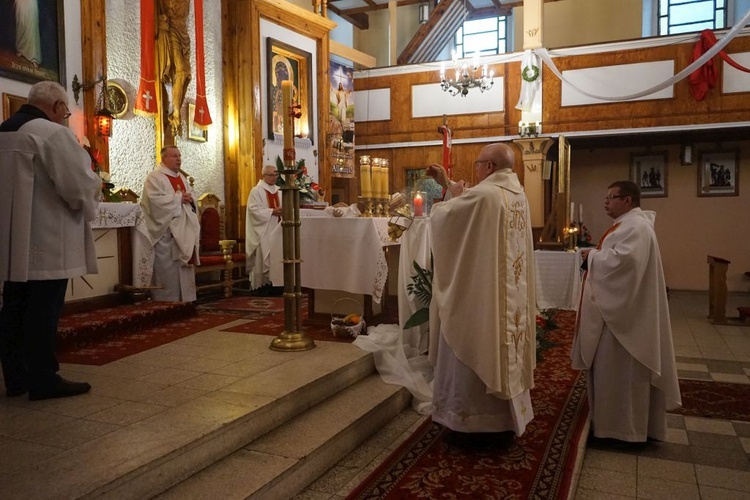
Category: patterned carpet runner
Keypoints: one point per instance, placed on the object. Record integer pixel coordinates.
(702, 398)
(538, 464)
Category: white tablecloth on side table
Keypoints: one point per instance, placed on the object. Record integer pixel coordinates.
(558, 279)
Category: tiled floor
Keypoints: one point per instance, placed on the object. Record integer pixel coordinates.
(702, 458)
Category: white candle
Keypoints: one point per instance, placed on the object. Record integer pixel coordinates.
(572, 211)
(580, 213)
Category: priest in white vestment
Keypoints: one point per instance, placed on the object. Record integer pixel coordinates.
(173, 228)
(483, 309)
(263, 214)
(624, 336)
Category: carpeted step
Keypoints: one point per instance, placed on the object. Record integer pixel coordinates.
(82, 328)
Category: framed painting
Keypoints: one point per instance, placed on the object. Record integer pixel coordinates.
(195, 133)
(32, 41)
(649, 171)
(717, 174)
(11, 103)
(285, 62)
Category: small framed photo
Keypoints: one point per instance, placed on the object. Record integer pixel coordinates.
(649, 171)
(195, 133)
(717, 174)
(11, 104)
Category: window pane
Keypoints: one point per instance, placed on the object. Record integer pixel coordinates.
(698, 11)
(719, 4)
(678, 2)
(479, 25)
(663, 26)
(663, 7)
(687, 28)
(503, 48)
(720, 19)
(480, 42)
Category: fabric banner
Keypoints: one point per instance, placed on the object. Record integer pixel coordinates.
(202, 117)
(145, 102)
(447, 134)
(704, 78)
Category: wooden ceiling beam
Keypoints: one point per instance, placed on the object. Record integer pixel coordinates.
(358, 19)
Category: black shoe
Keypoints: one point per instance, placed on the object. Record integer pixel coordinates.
(15, 392)
(60, 389)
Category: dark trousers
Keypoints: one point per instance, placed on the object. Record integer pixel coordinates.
(28, 328)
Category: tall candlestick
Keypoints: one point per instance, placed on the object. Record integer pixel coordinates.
(377, 189)
(418, 205)
(286, 102)
(386, 194)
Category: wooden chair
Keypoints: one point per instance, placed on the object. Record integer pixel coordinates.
(217, 253)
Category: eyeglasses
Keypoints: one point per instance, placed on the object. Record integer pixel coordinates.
(613, 196)
(270, 175)
(479, 162)
(67, 110)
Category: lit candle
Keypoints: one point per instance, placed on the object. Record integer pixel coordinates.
(385, 182)
(418, 205)
(286, 102)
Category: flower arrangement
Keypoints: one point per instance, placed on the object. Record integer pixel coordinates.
(309, 190)
(584, 236)
(107, 184)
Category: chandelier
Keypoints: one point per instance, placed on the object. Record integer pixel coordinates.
(467, 77)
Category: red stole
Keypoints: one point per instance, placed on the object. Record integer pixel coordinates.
(273, 199)
(177, 183)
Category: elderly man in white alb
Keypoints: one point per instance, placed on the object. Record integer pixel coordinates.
(624, 336)
(483, 309)
(173, 228)
(263, 213)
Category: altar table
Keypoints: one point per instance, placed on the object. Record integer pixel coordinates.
(558, 279)
(338, 253)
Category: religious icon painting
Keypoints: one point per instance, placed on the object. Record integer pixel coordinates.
(32, 41)
(284, 62)
(649, 171)
(717, 174)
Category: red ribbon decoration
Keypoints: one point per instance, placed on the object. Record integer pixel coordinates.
(704, 78)
(202, 118)
(145, 101)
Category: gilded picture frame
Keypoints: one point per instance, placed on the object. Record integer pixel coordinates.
(649, 171)
(284, 62)
(718, 173)
(39, 52)
(11, 104)
(195, 133)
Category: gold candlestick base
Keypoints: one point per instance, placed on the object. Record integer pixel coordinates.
(367, 202)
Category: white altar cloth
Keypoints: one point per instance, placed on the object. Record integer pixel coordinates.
(338, 253)
(558, 279)
(117, 215)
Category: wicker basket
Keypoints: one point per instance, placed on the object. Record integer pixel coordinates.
(339, 329)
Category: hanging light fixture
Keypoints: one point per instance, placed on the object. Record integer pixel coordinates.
(103, 117)
(424, 12)
(467, 76)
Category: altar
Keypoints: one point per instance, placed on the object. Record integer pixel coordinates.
(338, 253)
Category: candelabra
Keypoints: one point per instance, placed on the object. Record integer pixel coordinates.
(528, 129)
(467, 77)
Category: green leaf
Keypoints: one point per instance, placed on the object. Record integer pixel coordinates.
(418, 318)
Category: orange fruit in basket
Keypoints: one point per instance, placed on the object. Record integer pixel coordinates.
(352, 319)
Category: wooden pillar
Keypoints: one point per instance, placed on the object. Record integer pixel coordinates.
(94, 58)
(533, 17)
(534, 152)
(392, 33)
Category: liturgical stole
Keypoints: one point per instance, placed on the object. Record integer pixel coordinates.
(273, 199)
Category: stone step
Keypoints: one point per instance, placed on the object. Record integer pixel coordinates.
(81, 328)
(283, 462)
(152, 455)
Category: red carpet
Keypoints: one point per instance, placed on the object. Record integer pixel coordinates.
(538, 465)
(701, 398)
(103, 351)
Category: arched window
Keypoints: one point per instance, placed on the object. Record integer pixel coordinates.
(482, 36)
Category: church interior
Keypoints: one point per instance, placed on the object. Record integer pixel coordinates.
(587, 92)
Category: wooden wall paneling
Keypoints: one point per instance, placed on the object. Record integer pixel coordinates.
(324, 85)
(94, 58)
